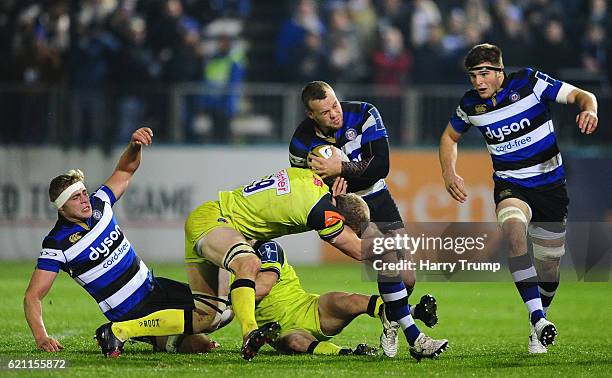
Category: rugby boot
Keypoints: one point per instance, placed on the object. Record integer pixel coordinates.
(546, 331)
(266, 334)
(389, 338)
(426, 347)
(426, 310)
(111, 346)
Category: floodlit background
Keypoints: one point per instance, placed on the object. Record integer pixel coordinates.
(219, 83)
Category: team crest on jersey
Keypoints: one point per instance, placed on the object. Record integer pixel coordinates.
(480, 108)
(75, 237)
(97, 214)
(317, 182)
(514, 97)
(222, 220)
(505, 193)
(350, 134)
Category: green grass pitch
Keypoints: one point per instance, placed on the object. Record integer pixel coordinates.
(485, 323)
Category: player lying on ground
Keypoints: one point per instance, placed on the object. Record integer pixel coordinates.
(308, 321)
(88, 244)
(291, 201)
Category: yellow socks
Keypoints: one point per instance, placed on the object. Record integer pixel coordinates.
(159, 323)
(324, 348)
(374, 306)
(242, 293)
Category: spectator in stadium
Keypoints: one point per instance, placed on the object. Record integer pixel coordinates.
(308, 321)
(430, 57)
(391, 69)
(135, 65)
(304, 19)
(554, 51)
(224, 72)
(512, 113)
(88, 244)
(89, 64)
(358, 128)
(346, 57)
(594, 57)
(392, 63)
(291, 201)
(311, 62)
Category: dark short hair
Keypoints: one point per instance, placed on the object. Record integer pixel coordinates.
(485, 52)
(315, 90)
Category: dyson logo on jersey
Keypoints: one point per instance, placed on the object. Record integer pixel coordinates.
(124, 247)
(104, 248)
(500, 133)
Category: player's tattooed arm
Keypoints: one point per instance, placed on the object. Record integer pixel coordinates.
(355, 168)
(374, 162)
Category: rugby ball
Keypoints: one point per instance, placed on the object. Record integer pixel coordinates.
(325, 151)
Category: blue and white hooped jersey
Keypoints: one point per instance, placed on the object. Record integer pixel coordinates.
(100, 258)
(517, 127)
(362, 124)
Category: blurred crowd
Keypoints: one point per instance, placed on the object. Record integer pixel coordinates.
(424, 41)
(110, 62)
(122, 50)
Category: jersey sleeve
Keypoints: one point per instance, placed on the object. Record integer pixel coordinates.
(271, 255)
(373, 127)
(50, 258)
(325, 218)
(105, 194)
(545, 87)
(301, 144)
(460, 121)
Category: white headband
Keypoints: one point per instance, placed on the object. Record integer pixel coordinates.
(63, 197)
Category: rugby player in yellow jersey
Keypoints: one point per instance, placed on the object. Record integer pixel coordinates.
(307, 320)
(290, 201)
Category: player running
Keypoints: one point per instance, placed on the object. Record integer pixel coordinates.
(512, 113)
(358, 130)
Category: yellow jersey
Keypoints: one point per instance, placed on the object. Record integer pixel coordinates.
(290, 201)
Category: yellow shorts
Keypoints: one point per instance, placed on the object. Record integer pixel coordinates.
(200, 222)
(301, 314)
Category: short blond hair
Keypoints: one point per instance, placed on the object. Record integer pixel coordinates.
(354, 210)
(61, 182)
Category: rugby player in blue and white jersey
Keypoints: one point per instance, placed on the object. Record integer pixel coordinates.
(358, 130)
(88, 244)
(512, 113)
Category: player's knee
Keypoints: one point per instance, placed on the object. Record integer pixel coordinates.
(513, 222)
(548, 245)
(241, 260)
(548, 253)
(246, 266)
(512, 215)
(296, 343)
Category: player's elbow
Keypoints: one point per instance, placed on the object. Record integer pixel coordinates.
(31, 298)
(356, 254)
